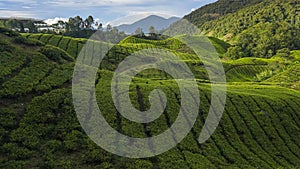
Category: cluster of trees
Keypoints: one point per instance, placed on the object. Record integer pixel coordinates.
(266, 40)
(230, 25)
(260, 30)
(83, 28)
(215, 10)
(77, 24)
(153, 34)
(20, 25)
(77, 27)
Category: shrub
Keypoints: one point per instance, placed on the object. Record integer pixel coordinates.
(30, 42)
(56, 54)
(6, 46)
(235, 52)
(8, 32)
(285, 53)
(264, 75)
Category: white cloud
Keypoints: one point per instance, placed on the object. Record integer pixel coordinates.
(55, 20)
(93, 3)
(135, 16)
(26, 7)
(108, 10)
(23, 1)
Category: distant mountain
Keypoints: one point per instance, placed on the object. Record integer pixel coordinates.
(158, 22)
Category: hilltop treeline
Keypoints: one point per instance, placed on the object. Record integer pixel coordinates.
(76, 27)
(84, 28)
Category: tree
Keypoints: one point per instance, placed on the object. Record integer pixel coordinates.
(100, 26)
(109, 28)
(79, 24)
(235, 52)
(139, 32)
(61, 24)
(14, 23)
(151, 30)
(89, 22)
(75, 24)
(285, 53)
(32, 28)
(71, 24)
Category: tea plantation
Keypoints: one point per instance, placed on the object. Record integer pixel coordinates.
(260, 127)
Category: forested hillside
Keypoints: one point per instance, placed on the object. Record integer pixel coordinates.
(215, 10)
(263, 29)
(39, 128)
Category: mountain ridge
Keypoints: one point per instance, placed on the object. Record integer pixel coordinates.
(158, 22)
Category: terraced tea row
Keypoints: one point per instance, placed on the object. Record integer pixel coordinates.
(257, 129)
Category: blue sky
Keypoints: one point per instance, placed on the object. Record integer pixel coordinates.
(106, 11)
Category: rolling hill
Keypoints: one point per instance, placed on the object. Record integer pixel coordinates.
(260, 127)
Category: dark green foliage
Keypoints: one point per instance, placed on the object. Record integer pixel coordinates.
(72, 48)
(8, 32)
(54, 41)
(256, 28)
(8, 65)
(215, 10)
(56, 54)
(266, 40)
(29, 42)
(284, 53)
(265, 12)
(6, 46)
(28, 77)
(45, 38)
(220, 45)
(70, 45)
(291, 75)
(57, 78)
(64, 42)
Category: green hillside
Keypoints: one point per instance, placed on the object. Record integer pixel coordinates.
(233, 23)
(259, 29)
(260, 127)
(267, 11)
(292, 72)
(289, 77)
(217, 9)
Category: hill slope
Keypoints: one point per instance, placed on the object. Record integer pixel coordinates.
(217, 9)
(260, 127)
(258, 29)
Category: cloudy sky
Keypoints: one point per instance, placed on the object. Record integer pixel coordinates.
(106, 11)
